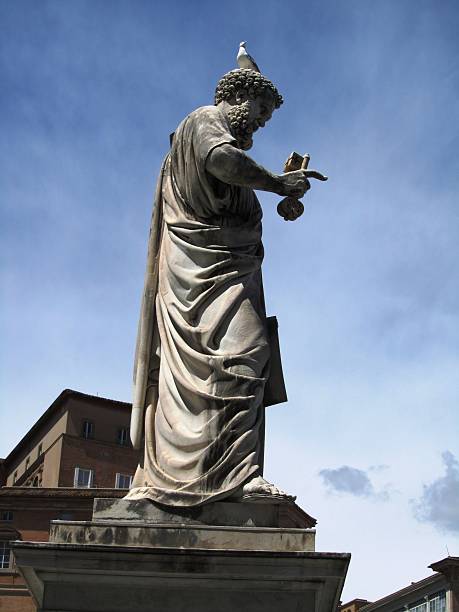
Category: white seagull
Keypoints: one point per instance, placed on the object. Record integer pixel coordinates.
(245, 60)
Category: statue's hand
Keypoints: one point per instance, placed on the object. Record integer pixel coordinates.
(296, 183)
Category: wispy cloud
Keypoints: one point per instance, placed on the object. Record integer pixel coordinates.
(439, 502)
(350, 480)
(378, 468)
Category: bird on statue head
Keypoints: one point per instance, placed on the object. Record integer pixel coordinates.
(244, 60)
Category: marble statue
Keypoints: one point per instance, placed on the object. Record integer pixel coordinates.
(203, 355)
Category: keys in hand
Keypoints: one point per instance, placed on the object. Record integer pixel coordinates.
(295, 183)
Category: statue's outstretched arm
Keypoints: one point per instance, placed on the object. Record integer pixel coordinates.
(232, 166)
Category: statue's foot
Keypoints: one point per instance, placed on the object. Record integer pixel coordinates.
(260, 490)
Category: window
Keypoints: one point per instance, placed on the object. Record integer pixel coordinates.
(15, 477)
(437, 602)
(123, 481)
(27, 463)
(123, 436)
(40, 450)
(88, 430)
(5, 555)
(83, 478)
(420, 607)
(7, 515)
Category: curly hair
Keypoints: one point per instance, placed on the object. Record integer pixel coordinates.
(250, 80)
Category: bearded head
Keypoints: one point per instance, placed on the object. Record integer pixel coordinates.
(249, 99)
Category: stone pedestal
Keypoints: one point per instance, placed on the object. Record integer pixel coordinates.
(135, 556)
(238, 514)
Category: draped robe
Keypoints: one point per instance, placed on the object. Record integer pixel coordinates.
(208, 345)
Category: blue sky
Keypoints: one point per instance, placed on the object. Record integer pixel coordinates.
(365, 285)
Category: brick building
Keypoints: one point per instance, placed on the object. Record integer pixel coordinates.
(79, 449)
(354, 605)
(81, 440)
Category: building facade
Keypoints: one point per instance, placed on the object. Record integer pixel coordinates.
(80, 441)
(79, 449)
(436, 593)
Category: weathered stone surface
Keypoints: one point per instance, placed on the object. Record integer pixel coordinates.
(77, 578)
(182, 536)
(239, 514)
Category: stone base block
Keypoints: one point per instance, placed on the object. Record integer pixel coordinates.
(224, 513)
(109, 533)
(82, 577)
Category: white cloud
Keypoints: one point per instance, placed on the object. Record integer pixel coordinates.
(353, 481)
(439, 502)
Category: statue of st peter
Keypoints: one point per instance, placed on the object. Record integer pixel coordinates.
(203, 355)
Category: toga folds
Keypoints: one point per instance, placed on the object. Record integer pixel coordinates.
(208, 349)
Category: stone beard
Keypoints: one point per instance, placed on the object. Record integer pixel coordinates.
(241, 127)
(210, 355)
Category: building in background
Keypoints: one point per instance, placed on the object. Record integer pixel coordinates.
(436, 593)
(80, 441)
(354, 605)
(79, 449)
